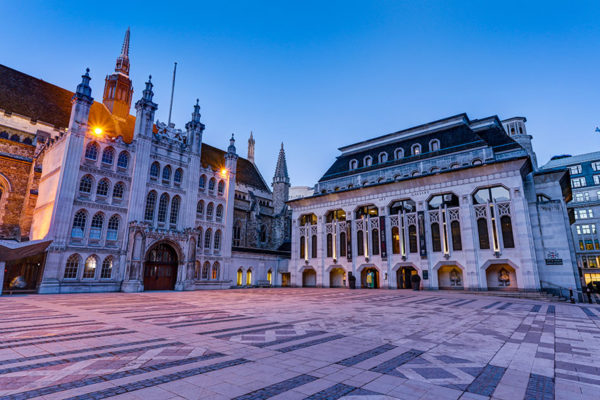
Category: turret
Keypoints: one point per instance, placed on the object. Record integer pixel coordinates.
(251, 143)
(118, 89)
(281, 183)
(145, 109)
(194, 129)
(516, 129)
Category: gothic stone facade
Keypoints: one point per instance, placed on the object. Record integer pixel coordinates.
(458, 202)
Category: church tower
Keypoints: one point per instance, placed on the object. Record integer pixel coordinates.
(251, 148)
(118, 89)
(281, 183)
(516, 129)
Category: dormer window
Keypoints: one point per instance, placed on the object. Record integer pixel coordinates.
(415, 150)
(383, 157)
(398, 154)
(353, 164)
(434, 145)
(368, 161)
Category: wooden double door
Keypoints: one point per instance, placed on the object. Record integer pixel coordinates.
(160, 269)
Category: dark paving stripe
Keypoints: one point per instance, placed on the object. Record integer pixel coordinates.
(491, 305)
(504, 306)
(289, 339)
(589, 313)
(174, 315)
(159, 380)
(309, 343)
(65, 339)
(69, 352)
(539, 387)
(237, 328)
(340, 390)
(86, 357)
(260, 330)
(551, 310)
(350, 361)
(57, 325)
(109, 377)
(62, 335)
(389, 367)
(208, 322)
(48, 316)
(486, 382)
(536, 308)
(277, 388)
(466, 302)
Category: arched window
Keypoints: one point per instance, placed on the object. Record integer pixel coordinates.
(108, 156)
(174, 210)
(329, 245)
(434, 145)
(221, 188)
(72, 267)
(507, 232)
(237, 234)
(112, 232)
(200, 209)
(398, 153)
(177, 178)
(91, 151)
(353, 164)
(154, 170)
(107, 266)
(383, 157)
(215, 271)
(484, 237)
(343, 244)
(207, 238)
(360, 244)
(270, 277)
(118, 191)
(96, 227)
(89, 269)
(217, 241)
(263, 234)
(209, 211)
(166, 174)
(163, 204)
(395, 240)
(205, 271)
(85, 184)
(456, 240)
(79, 221)
(123, 160)
(435, 237)
(249, 277)
(211, 184)
(302, 247)
(313, 242)
(219, 213)
(239, 277)
(102, 189)
(200, 237)
(202, 183)
(412, 239)
(375, 241)
(368, 161)
(476, 161)
(415, 149)
(150, 204)
(454, 165)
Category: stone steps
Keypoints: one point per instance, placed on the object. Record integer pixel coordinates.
(540, 296)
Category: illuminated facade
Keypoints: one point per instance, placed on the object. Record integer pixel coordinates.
(458, 202)
(133, 204)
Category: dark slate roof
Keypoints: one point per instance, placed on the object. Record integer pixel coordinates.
(452, 139)
(41, 101)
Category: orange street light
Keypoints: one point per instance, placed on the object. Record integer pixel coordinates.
(224, 171)
(98, 131)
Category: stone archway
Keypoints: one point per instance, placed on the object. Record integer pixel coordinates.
(309, 278)
(403, 276)
(450, 277)
(501, 276)
(337, 277)
(372, 271)
(160, 267)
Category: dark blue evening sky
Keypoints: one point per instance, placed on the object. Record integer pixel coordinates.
(321, 74)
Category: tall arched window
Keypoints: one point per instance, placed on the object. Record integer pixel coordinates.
(375, 241)
(398, 153)
(178, 177)
(329, 245)
(200, 209)
(343, 244)
(166, 174)
(79, 221)
(209, 211)
(456, 240)
(96, 226)
(108, 156)
(211, 184)
(103, 187)
(219, 213)
(237, 234)
(313, 246)
(217, 241)
(202, 183)
(89, 269)
(507, 232)
(205, 271)
(239, 277)
(123, 160)
(215, 271)
(112, 232)
(72, 267)
(154, 170)
(107, 266)
(263, 234)
(484, 237)
(434, 145)
(163, 205)
(412, 239)
(207, 238)
(415, 149)
(174, 210)
(118, 191)
(395, 240)
(302, 246)
(221, 188)
(91, 151)
(270, 277)
(150, 204)
(435, 237)
(249, 277)
(85, 184)
(360, 244)
(200, 237)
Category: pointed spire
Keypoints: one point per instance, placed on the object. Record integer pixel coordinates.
(231, 148)
(251, 148)
(148, 93)
(281, 172)
(125, 48)
(123, 59)
(84, 91)
(196, 113)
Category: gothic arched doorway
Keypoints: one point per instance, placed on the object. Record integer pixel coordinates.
(403, 277)
(369, 278)
(160, 268)
(336, 278)
(309, 278)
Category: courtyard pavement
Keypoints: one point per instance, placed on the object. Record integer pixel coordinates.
(297, 344)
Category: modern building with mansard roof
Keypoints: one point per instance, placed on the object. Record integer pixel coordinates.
(112, 201)
(459, 203)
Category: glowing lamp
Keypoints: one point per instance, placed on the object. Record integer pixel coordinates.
(98, 131)
(224, 172)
